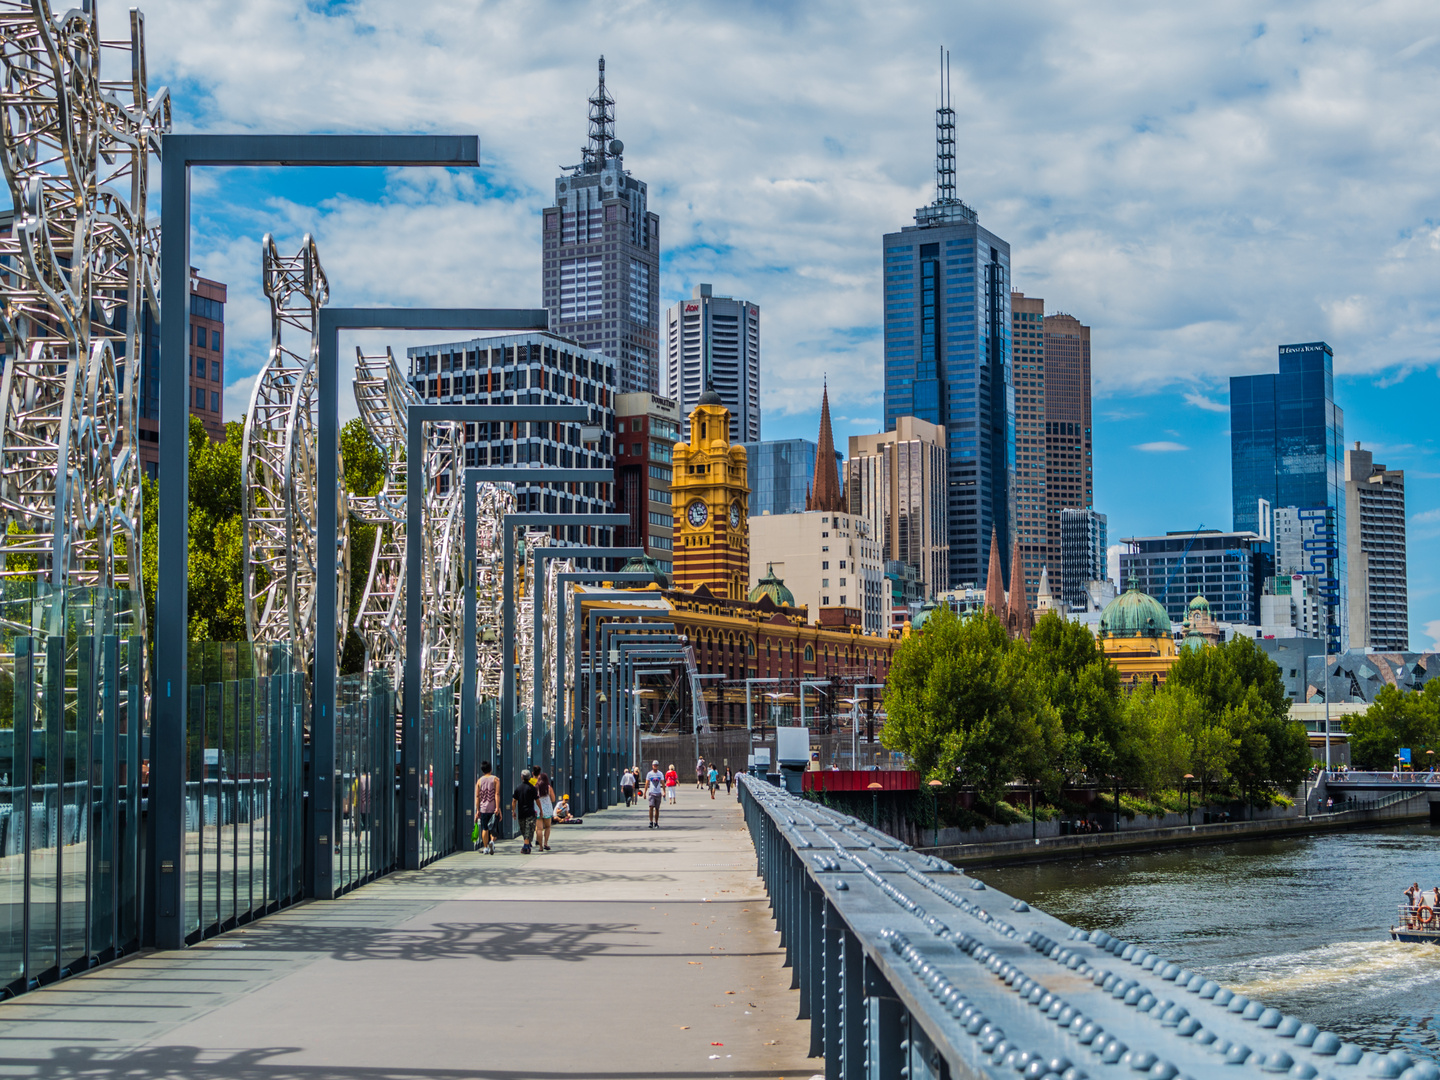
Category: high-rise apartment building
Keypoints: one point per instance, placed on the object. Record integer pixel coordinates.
(714, 342)
(781, 473)
(896, 481)
(530, 369)
(1375, 551)
(1083, 555)
(601, 270)
(947, 357)
(647, 427)
(1286, 439)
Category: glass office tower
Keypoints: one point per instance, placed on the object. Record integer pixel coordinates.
(947, 361)
(780, 473)
(1287, 448)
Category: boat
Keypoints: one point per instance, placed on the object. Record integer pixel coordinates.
(1418, 924)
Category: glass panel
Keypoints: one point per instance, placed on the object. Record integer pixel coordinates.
(133, 775)
(16, 706)
(45, 809)
(245, 787)
(74, 815)
(194, 798)
(105, 794)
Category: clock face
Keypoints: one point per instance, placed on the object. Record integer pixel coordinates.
(697, 513)
(735, 515)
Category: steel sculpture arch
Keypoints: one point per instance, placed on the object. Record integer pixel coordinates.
(79, 262)
(278, 467)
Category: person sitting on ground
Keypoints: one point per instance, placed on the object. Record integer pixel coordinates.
(562, 812)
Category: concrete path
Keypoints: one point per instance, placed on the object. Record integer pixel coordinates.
(623, 953)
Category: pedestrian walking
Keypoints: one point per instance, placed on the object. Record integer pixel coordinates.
(714, 781)
(654, 786)
(672, 782)
(487, 808)
(522, 805)
(544, 811)
(627, 785)
(700, 774)
(729, 779)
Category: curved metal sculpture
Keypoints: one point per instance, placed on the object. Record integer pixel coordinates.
(383, 397)
(278, 465)
(74, 271)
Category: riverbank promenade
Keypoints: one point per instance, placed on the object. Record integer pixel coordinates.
(624, 952)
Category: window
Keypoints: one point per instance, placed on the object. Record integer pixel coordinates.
(810, 649)
(199, 397)
(824, 582)
(637, 449)
(639, 291)
(842, 585)
(214, 401)
(842, 561)
(214, 370)
(200, 337)
(582, 288)
(199, 366)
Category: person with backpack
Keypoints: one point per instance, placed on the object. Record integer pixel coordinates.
(522, 805)
(487, 808)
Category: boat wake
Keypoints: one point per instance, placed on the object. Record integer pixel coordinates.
(1380, 967)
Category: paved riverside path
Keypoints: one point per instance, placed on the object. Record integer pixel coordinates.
(623, 953)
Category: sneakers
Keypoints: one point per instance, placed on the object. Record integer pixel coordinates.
(491, 849)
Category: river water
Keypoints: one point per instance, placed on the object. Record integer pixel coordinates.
(1301, 924)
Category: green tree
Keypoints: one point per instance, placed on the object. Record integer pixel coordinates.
(364, 471)
(965, 702)
(1396, 718)
(1084, 689)
(216, 608)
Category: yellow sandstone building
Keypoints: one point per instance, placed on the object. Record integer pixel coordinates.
(712, 506)
(1135, 636)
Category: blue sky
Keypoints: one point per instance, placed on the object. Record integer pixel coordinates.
(1198, 183)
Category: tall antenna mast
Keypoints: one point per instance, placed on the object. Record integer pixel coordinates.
(602, 125)
(944, 137)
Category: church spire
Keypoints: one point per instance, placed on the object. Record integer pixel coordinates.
(995, 582)
(1020, 620)
(825, 492)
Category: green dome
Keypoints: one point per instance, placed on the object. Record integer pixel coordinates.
(1133, 614)
(1200, 604)
(773, 587)
(644, 564)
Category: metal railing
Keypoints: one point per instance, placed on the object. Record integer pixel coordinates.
(905, 969)
(1403, 778)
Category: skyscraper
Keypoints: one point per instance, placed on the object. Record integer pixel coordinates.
(1286, 439)
(781, 474)
(714, 341)
(947, 356)
(1375, 550)
(601, 270)
(896, 479)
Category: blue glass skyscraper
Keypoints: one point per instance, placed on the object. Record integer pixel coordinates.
(1287, 447)
(947, 358)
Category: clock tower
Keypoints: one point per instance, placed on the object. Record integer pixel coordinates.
(712, 505)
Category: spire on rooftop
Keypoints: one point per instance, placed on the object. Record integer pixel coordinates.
(826, 493)
(995, 581)
(603, 143)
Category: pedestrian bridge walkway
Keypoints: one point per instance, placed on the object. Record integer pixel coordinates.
(624, 953)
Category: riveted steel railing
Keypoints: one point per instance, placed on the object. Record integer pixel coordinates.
(908, 969)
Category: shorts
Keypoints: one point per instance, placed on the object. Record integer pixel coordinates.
(490, 823)
(654, 800)
(527, 828)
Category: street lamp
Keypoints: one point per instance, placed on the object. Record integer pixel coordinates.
(1189, 779)
(935, 808)
(875, 787)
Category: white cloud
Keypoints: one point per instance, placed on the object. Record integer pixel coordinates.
(1196, 190)
(1200, 401)
(1161, 447)
(1112, 561)
(1432, 631)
